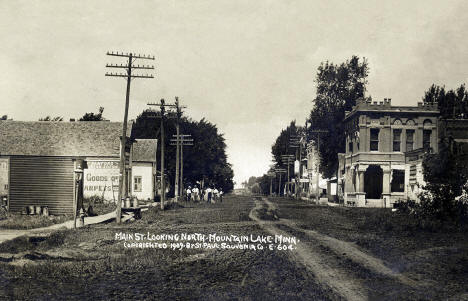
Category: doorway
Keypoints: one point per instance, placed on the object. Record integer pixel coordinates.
(373, 180)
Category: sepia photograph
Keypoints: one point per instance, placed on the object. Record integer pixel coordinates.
(234, 150)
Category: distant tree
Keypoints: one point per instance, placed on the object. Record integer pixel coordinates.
(338, 88)
(264, 183)
(204, 162)
(4, 117)
(451, 103)
(48, 118)
(93, 117)
(282, 145)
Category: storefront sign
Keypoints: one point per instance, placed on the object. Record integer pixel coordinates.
(4, 176)
(101, 179)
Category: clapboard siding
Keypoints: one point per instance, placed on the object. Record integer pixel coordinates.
(41, 181)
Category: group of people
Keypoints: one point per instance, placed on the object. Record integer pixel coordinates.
(209, 195)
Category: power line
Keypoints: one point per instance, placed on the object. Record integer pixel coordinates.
(123, 189)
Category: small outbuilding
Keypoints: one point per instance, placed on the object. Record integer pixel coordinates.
(144, 168)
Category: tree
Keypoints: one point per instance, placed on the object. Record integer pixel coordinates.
(204, 162)
(93, 117)
(48, 118)
(4, 117)
(338, 88)
(451, 103)
(446, 176)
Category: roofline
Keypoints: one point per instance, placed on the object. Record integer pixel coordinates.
(354, 112)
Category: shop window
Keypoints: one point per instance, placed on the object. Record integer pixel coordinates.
(398, 181)
(374, 139)
(409, 140)
(427, 139)
(137, 183)
(396, 140)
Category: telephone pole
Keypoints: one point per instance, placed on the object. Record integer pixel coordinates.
(317, 189)
(123, 189)
(288, 159)
(180, 141)
(179, 115)
(280, 171)
(162, 105)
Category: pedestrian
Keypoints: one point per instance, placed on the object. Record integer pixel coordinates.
(189, 193)
(195, 193)
(209, 194)
(220, 195)
(215, 194)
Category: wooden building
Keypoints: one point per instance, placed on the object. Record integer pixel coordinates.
(39, 160)
(144, 169)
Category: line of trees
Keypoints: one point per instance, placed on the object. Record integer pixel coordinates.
(204, 162)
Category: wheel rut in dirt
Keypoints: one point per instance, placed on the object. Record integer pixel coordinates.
(339, 281)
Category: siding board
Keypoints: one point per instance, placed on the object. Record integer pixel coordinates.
(42, 181)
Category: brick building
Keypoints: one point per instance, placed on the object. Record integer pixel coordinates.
(384, 148)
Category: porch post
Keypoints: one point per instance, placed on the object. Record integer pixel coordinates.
(386, 185)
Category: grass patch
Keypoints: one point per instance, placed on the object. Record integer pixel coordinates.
(23, 222)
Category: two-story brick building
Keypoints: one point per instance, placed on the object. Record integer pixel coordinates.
(382, 163)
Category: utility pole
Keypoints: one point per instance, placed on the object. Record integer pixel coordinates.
(123, 189)
(288, 159)
(162, 105)
(179, 141)
(280, 171)
(317, 189)
(294, 142)
(271, 174)
(179, 115)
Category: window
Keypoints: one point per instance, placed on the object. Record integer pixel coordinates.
(398, 180)
(427, 139)
(374, 139)
(137, 183)
(409, 140)
(396, 140)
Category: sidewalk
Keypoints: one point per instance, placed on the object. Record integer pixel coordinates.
(8, 234)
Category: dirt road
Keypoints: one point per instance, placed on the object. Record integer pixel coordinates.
(337, 257)
(329, 259)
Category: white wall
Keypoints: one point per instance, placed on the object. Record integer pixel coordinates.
(101, 179)
(145, 171)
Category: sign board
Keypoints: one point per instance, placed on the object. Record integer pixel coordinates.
(100, 179)
(4, 167)
(296, 167)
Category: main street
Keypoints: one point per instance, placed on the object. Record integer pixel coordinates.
(308, 252)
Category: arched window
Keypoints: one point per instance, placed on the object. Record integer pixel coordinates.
(410, 122)
(397, 122)
(427, 124)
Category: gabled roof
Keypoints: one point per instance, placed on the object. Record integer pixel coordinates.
(47, 138)
(144, 150)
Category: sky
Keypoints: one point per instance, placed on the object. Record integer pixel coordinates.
(247, 66)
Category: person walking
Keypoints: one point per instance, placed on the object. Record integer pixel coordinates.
(209, 194)
(215, 194)
(195, 193)
(189, 194)
(220, 195)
